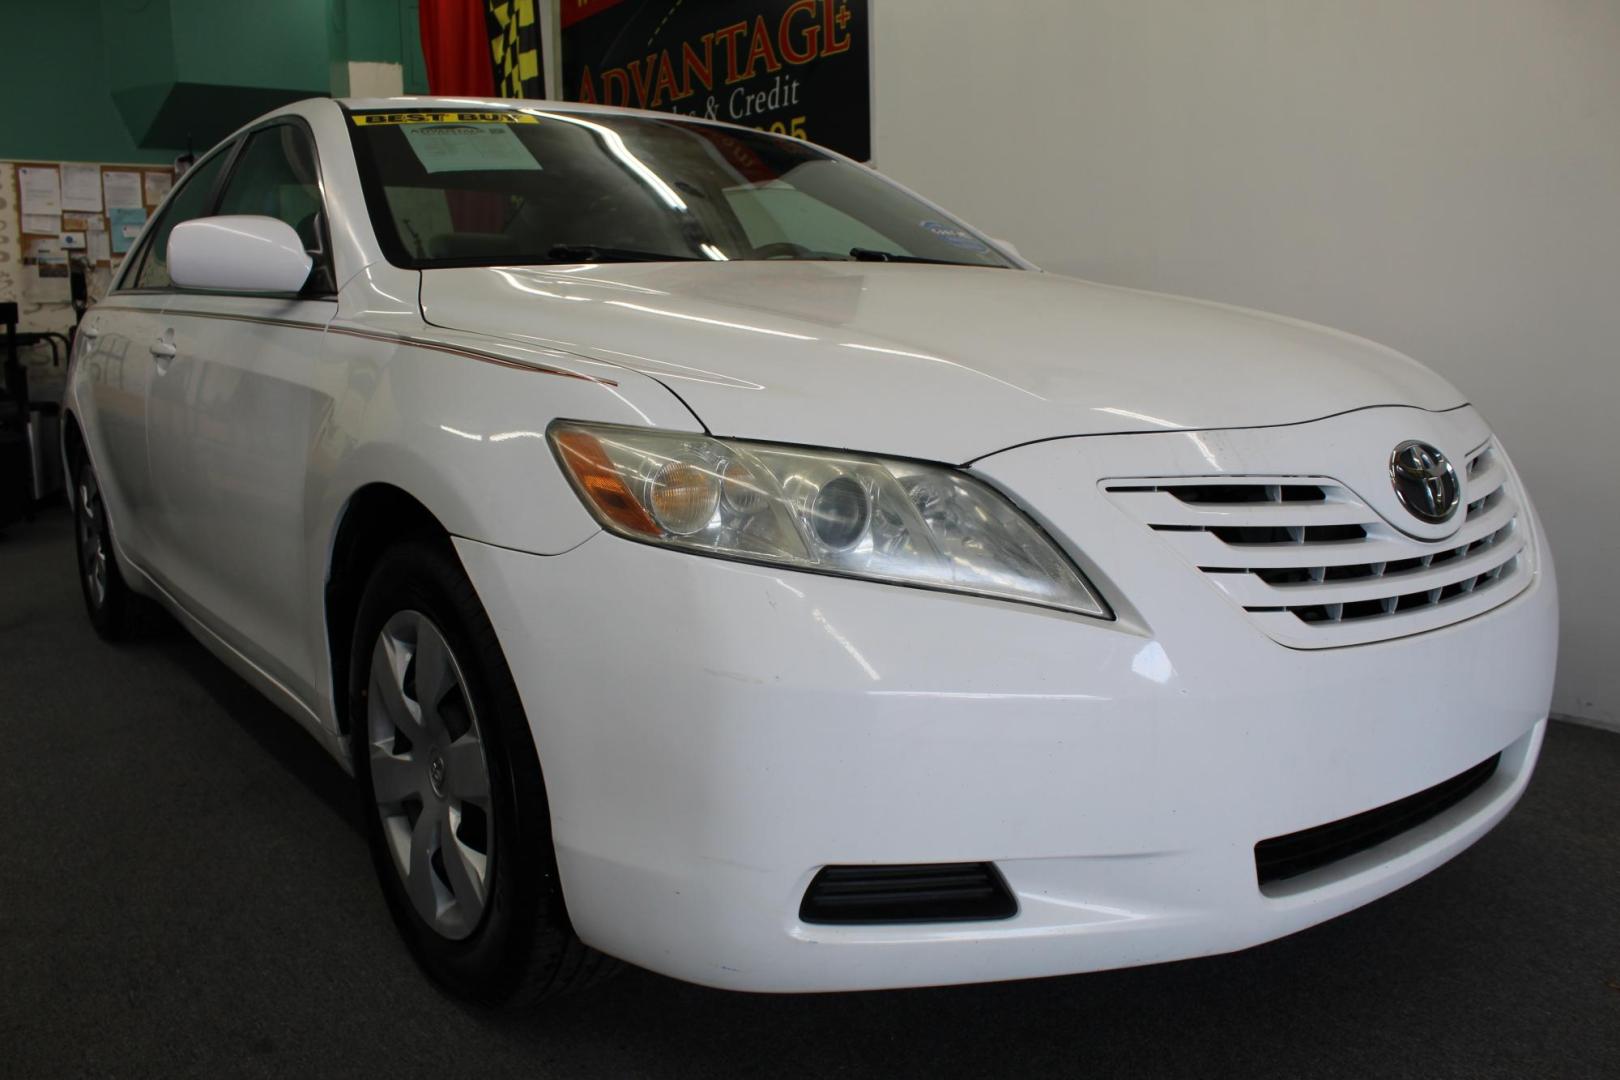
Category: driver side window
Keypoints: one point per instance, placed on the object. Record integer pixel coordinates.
(275, 177)
(190, 201)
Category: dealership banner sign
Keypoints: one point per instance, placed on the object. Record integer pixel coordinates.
(514, 48)
(795, 67)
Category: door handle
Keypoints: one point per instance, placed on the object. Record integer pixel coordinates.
(163, 351)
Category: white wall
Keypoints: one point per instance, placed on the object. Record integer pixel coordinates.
(1442, 176)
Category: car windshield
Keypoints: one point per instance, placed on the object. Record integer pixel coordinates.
(530, 187)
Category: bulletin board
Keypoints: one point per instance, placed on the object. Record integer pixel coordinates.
(54, 211)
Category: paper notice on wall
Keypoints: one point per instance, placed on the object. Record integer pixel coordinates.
(45, 272)
(97, 249)
(157, 185)
(96, 283)
(126, 222)
(40, 190)
(123, 189)
(41, 223)
(81, 188)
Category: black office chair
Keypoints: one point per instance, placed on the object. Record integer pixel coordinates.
(30, 429)
(16, 462)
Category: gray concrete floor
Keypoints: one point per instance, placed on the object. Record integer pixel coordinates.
(184, 891)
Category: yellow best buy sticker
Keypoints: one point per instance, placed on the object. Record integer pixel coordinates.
(501, 117)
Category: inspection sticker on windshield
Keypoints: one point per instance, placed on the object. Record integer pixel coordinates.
(468, 148)
(504, 116)
(954, 236)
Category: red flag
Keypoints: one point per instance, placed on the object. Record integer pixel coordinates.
(455, 44)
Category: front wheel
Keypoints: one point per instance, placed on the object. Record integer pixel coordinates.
(107, 598)
(451, 789)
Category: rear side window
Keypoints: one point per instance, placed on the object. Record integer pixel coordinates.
(191, 200)
(275, 177)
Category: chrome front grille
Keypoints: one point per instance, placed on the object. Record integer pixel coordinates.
(1316, 567)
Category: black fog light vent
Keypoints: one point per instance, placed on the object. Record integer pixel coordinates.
(932, 892)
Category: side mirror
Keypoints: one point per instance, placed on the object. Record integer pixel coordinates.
(238, 253)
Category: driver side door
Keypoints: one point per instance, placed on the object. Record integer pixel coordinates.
(237, 418)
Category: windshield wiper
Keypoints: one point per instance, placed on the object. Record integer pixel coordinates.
(860, 254)
(597, 254)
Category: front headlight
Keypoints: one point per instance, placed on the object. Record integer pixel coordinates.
(821, 510)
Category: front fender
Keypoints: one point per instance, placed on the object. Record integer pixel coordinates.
(460, 429)
(466, 436)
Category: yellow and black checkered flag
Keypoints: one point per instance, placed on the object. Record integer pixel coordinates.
(514, 47)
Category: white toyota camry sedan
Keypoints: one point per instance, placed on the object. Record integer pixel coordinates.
(709, 554)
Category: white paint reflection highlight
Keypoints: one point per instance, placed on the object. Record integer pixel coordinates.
(627, 403)
(847, 645)
(1152, 663)
(462, 434)
(711, 322)
(941, 360)
(898, 352)
(615, 145)
(604, 283)
(983, 695)
(1203, 448)
(664, 369)
(1104, 913)
(506, 436)
(517, 283)
(1144, 417)
(371, 282)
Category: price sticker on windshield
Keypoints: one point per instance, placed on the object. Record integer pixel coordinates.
(468, 148)
(502, 116)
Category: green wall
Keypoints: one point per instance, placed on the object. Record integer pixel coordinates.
(387, 31)
(79, 75)
(253, 43)
(55, 96)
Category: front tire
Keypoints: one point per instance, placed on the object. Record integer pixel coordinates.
(452, 794)
(107, 599)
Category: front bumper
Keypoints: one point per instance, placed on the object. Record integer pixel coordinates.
(713, 733)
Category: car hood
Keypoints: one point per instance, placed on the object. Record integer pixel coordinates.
(939, 362)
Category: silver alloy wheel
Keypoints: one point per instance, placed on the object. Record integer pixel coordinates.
(429, 775)
(92, 552)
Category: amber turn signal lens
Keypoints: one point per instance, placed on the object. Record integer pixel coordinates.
(588, 463)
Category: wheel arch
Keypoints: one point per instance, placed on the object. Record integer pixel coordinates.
(401, 480)
(374, 517)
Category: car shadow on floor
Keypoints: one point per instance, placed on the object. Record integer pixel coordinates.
(277, 734)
